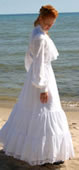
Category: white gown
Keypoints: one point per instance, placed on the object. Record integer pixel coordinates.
(35, 132)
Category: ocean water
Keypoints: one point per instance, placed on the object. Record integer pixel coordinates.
(15, 31)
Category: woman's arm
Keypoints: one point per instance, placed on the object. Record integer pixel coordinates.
(39, 74)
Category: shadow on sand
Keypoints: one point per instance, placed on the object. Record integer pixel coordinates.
(10, 163)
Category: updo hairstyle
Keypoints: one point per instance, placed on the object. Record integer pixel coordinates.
(46, 11)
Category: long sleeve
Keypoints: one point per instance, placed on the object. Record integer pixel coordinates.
(28, 60)
(39, 55)
(39, 76)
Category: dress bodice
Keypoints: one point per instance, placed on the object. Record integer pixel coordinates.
(38, 38)
(40, 53)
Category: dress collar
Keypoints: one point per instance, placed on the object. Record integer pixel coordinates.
(40, 28)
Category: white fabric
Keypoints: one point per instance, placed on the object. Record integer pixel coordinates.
(41, 52)
(35, 132)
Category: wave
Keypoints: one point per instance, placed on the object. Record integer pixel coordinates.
(70, 103)
(64, 103)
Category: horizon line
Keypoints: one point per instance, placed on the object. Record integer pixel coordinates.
(33, 13)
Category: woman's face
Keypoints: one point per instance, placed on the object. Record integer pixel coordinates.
(47, 23)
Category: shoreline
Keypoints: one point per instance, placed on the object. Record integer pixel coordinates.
(67, 105)
(7, 106)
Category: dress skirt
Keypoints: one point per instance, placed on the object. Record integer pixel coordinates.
(37, 133)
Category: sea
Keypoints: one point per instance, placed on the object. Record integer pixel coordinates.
(15, 31)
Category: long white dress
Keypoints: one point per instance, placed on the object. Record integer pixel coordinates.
(38, 132)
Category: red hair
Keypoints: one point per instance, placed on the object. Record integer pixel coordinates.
(46, 11)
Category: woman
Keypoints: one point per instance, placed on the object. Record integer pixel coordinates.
(37, 129)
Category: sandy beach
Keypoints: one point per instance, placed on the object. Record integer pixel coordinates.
(10, 163)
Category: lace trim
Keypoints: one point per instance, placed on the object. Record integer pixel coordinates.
(37, 162)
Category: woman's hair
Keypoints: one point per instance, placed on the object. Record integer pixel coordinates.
(46, 11)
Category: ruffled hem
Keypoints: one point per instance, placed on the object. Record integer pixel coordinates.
(36, 162)
(39, 151)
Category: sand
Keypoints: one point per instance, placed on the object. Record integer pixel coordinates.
(10, 163)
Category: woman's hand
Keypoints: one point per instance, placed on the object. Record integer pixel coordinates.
(44, 97)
